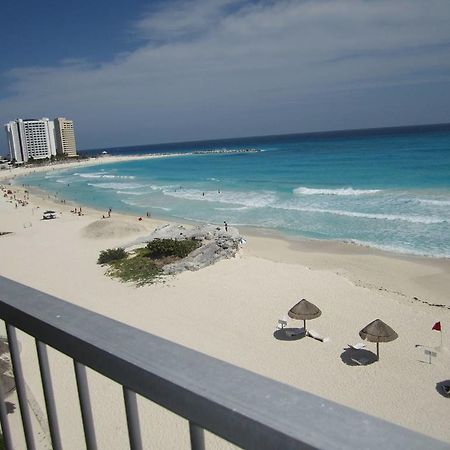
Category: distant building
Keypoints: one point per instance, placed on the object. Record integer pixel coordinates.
(65, 137)
(40, 138)
(31, 138)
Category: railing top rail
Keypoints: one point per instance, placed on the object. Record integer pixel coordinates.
(247, 409)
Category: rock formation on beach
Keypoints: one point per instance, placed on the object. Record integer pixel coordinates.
(216, 244)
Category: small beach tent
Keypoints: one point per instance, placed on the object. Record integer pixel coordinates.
(304, 310)
(377, 331)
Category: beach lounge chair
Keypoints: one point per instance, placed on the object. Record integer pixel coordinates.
(358, 346)
(446, 388)
(281, 324)
(315, 335)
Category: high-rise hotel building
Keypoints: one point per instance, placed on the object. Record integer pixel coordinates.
(65, 137)
(39, 138)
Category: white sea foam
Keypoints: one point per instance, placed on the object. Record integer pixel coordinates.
(398, 249)
(160, 207)
(247, 199)
(158, 187)
(238, 208)
(434, 202)
(341, 191)
(105, 175)
(391, 217)
(117, 186)
(132, 192)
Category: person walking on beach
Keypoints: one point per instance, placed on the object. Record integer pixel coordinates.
(226, 226)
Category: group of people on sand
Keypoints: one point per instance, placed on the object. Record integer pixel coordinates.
(148, 216)
(77, 211)
(8, 193)
(108, 216)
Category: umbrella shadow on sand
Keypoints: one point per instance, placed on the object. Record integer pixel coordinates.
(443, 387)
(289, 334)
(361, 357)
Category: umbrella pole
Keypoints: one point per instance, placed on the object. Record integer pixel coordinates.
(304, 326)
(378, 350)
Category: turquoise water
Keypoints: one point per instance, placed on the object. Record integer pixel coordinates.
(388, 189)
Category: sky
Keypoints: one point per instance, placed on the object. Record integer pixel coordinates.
(144, 72)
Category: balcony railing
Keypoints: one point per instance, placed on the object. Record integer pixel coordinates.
(244, 408)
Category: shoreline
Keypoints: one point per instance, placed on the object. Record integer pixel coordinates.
(357, 263)
(110, 159)
(309, 243)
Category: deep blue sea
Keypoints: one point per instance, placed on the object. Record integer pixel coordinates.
(385, 188)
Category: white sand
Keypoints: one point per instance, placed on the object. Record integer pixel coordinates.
(234, 305)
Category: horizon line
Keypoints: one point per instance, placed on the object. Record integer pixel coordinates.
(307, 133)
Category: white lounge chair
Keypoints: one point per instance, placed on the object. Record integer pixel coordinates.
(358, 346)
(315, 335)
(281, 324)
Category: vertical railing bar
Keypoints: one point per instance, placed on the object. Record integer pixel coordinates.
(49, 396)
(85, 406)
(20, 386)
(131, 409)
(197, 436)
(6, 431)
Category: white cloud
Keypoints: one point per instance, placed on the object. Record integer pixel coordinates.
(227, 67)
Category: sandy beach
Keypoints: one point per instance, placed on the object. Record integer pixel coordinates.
(235, 304)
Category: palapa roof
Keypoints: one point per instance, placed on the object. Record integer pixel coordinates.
(378, 331)
(304, 310)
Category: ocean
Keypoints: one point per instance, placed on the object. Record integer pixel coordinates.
(383, 188)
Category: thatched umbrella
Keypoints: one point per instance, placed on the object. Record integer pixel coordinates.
(304, 310)
(377, 331)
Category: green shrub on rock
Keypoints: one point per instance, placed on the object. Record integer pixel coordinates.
(138, 269)
(112, 254)
(162, 248)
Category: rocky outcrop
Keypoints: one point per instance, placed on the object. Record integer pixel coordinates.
(216, 244)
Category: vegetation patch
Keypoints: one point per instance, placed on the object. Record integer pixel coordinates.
(137, 269)
(144, 265)
(110, 255)
(163, 248)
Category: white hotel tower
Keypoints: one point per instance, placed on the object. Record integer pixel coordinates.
(31, 138)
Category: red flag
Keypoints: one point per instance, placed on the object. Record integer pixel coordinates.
(437, 326)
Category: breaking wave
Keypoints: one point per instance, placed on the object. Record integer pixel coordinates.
(341, 191)
(247, 199)
(434, 202)
(391, 217)
(117, 186)
(105, 175)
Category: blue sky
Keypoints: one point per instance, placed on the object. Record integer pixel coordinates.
(139, 72)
